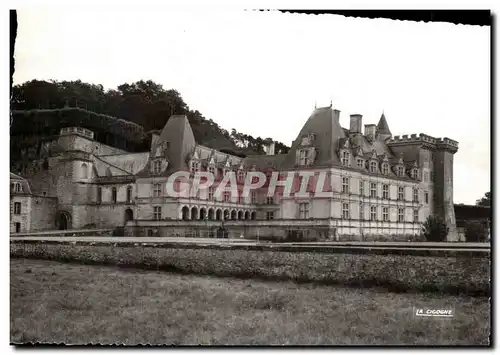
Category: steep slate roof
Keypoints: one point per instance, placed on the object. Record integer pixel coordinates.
(179, 135)
(382, 126)
(264, 161)
(324, 124)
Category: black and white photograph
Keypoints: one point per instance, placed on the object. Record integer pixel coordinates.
(223, 176)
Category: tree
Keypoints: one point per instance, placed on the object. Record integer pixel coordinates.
(435, 229)
(485, 200)
(476, 231)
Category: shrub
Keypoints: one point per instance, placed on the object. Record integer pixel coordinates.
(119, 232)
(435, 229)
(476, 231)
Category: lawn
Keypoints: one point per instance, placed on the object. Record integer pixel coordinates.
(54, 302)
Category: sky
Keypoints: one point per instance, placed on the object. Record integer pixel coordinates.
(263, 72)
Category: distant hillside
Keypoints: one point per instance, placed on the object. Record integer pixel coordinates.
(120, 117)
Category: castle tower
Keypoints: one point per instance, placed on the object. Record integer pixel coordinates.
(443, 185)
(74, 171)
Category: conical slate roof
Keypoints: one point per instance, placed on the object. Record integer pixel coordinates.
(382, 126)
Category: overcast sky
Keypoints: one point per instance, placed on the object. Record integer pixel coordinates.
(261, 73)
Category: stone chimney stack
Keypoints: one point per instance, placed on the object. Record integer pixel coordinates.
(269, 146)
(356, 123)
(370, 130)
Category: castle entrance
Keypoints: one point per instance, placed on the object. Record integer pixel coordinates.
(63, 220)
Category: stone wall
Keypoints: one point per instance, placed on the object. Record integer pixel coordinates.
(451, 271)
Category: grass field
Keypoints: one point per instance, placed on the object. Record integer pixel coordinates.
(53, 302)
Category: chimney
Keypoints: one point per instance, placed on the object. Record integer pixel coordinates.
(356, 121)
(269, 146)
(370, 130)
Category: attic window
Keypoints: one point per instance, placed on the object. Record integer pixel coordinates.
(400, 171)
(303, 157)
(17, 187)
(157, 166)
(345, 158)
(385, 169)
(211, 170)
(361, 163)
(373, 167)
(414, 173)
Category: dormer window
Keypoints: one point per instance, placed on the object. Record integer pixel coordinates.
(345, 158)
(400, 171)
(304, 157)
(16, 187)
(241, 175)
(373, 167)
(211, 170)
(194, 167)
(157, 166)
(414, 173)
(360, 163)
(385, 169)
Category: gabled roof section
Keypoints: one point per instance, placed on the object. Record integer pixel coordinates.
(382, 126)
(16, 177)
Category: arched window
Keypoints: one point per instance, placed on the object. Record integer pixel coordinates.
(84, 171)
(113, 194)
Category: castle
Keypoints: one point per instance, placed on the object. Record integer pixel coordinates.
(379, 185)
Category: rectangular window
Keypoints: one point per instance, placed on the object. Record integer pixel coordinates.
(99, 195)
(157, 212)
(269, 215)
(401, 214)
(17, 207)
(254, 197)
(210, 193)
(426, 197)
(415, 195)
(373, 167)
(304, 210)
(426, 176)
(345, 158)
(303, 158)
(415, 215)
(150, 232)
(385, 169)
(157, 166)
(360, 163)
(114, 194)
(373, 213)
(361, 211)
(156, 190)
(345, 211)
(226, 196)
(362, 188)
(401, 171)
(373, 189)
(211, 170)
(270, 200)
(345, 185)
(385, 191)
(385, 214)
(401, 193)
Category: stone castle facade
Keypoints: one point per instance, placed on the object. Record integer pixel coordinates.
(378, 184)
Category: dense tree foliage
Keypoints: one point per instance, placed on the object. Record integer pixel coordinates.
(476, 231)
(485, 200)
(120, 116)
(435, 229)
